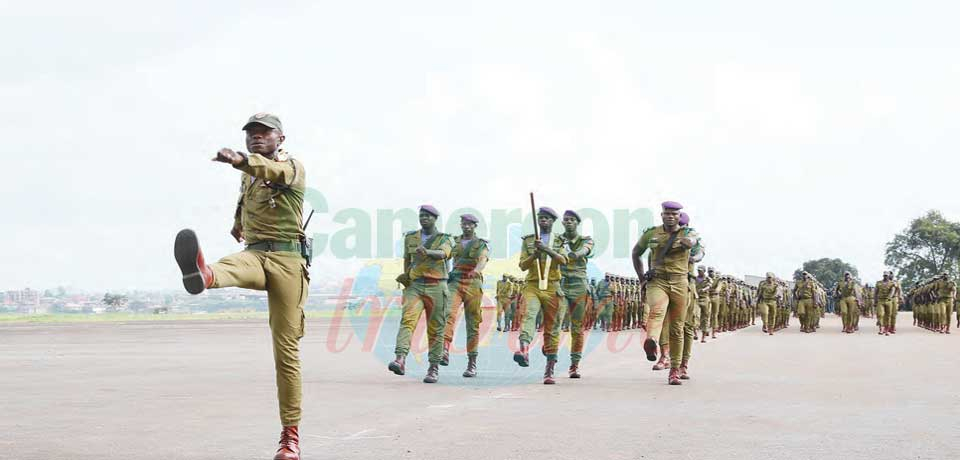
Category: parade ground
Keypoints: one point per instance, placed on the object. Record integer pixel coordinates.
(205, 390)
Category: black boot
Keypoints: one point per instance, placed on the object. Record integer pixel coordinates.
(548, 372)
(522, 357)
(471, 366)
(433, 374)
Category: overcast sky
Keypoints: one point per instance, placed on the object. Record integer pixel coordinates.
(790, 130)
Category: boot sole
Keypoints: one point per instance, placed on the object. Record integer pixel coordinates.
(650, 347)
(186, 248)
(395, 369)
(519, 360)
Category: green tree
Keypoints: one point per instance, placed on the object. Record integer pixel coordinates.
(930, 245)
(828, 271)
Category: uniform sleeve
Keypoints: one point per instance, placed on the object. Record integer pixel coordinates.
(642, 244)
(588, 245)
(524, 254)
(446, 246)
(284, 172)
(484, 251)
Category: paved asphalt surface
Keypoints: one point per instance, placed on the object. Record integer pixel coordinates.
(205, 390)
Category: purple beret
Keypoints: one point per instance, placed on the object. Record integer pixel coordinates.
(572, 213)
(684, 218)
(470, 218)
(430, 209)
(548, 211)
(671, 205)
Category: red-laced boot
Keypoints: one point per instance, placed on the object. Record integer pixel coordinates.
(548, 372)
(197, 276)
(683, 370)
(664, 361)
(289, 444)
(674, 377)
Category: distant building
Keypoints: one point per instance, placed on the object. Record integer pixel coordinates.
(26, 297)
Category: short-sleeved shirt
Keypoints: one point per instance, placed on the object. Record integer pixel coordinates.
(528, 248)
(426, 266)
(466, 254)
(676, 259)
(576, 268)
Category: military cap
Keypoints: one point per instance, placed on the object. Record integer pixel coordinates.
(770, 275)
(671, 205)
(573, 214)
(684, 218)
(701, 268)
(430, 210)
(266, 119)
(548, 211)
(470, 218)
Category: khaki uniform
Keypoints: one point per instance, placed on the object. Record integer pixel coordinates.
(806, 306)
(270, 216)
(703, 302)
(546, 301)
(768, 293)
(427, 292)
(575, 288)
(503, 301)
(847, 293)
(467, 294)
(666, 293)
(886, 305)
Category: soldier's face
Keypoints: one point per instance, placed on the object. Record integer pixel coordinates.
(467, 227)
(427, 220)
(546, 222)
(570, 223)
(671, 217)
(263, 140)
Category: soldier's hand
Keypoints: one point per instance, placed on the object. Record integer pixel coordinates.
(226, 155)
(421, 250)
(571, 256)
(538, 244)
(686, 242)
(237, 234)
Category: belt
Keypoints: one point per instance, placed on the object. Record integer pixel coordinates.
(428, 280)
(275, 246)
(670, 276)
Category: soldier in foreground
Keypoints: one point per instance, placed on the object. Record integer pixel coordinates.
(534, 252)
(268, 219)
(424, 281)
(849, 302)
(469, 254)
(577, 248)
(886, 304)
(769, 294)
(666, 282)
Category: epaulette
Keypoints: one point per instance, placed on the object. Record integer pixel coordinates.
(648, 229)
(484, 240)
(411, 233)
(529, 236)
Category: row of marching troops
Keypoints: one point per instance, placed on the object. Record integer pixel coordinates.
(933, 301)
(555, 286)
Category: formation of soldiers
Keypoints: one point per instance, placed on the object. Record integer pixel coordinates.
(933, 301)
(509, 294)
(622, 303)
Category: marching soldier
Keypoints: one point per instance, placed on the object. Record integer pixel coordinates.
(804, 291)
(534, 253)
(268, 219)
(469, 254)
(424, 278)
(846, 292)
(886, 305)
(947, 294)
(503, 300)
(577, 249)
(716, 287)
(703, 283)
(605, 302)
(666, 282)
(769, 293)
